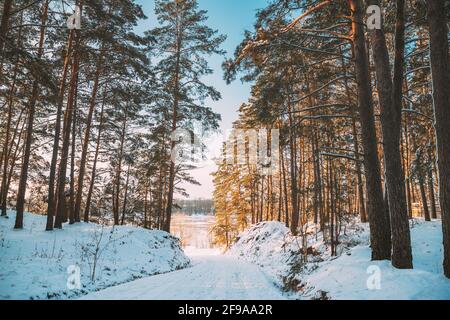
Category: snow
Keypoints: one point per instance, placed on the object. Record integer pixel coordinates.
(270, 246)
(351, 275)
(213, 276)
(266, 263)
(34, 262)
(346, 277)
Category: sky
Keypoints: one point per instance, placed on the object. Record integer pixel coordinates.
(231, 18)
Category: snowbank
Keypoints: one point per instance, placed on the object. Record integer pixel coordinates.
(34, 263)
(271, 246)
(351, 275)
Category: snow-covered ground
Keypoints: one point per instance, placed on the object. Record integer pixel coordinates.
(351, 275)
(212, 276)
(134, 263)
(34, 263)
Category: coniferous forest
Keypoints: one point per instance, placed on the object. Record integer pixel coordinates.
(87, 114)
(96, 97)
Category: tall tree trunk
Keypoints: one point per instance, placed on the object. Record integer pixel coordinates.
(161, 184)
(316, 179)
(280, 182)
(362, 207)
(15, 156)
(145, 205)
(125, 197)
(53, 164)
(390, 97)
(29, 135)
(421, 179)
(319, 183)
(432, 196)
(61, 184)
(7, 6)
(87, 133)
(119, 168)
(72, 217)
(286, 204)
(176, 97)
(407, 170)
(4, 161)
(94, 166)
(423, 194)
(293, 173)
(441, 87)
(378, 220)
(332, 211)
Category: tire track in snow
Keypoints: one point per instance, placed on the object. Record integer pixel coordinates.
(211, 277)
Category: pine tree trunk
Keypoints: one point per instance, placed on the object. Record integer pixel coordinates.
(94, 166)
(441, 81)
(72, 217)
(378, 220)
(332, 211)
(176, 93)
(319, 183)
(17, 150)
(293, 173)
(432, 196)
(423, 194)
(7, 6)
(145, 205)
(286, 204)
(53, 164)
(390, 97)
(87, 133)
(119, 169)
(125, 197)
(161, 208)
(316, 180)
(362, 207)
(407, 171)
(280, 183)
(29, 134)
(61, 184)
(5, 152)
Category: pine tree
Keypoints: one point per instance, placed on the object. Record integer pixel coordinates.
(390, 97)
(441, 101)
(182, 38)
(30, 123)
(379, 221)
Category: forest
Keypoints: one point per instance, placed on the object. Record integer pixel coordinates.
(363, 115)
(93, 110)
(87, 114)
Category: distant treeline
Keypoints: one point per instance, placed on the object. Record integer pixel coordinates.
(195, 206)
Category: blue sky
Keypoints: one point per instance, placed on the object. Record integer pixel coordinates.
(230, 17)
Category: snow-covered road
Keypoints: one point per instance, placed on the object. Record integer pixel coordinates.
(212, 276)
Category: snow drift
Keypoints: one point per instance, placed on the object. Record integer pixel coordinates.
(314, 274)
(34, 263)
(271, 246)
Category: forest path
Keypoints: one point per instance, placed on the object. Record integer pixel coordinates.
(212, 276)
